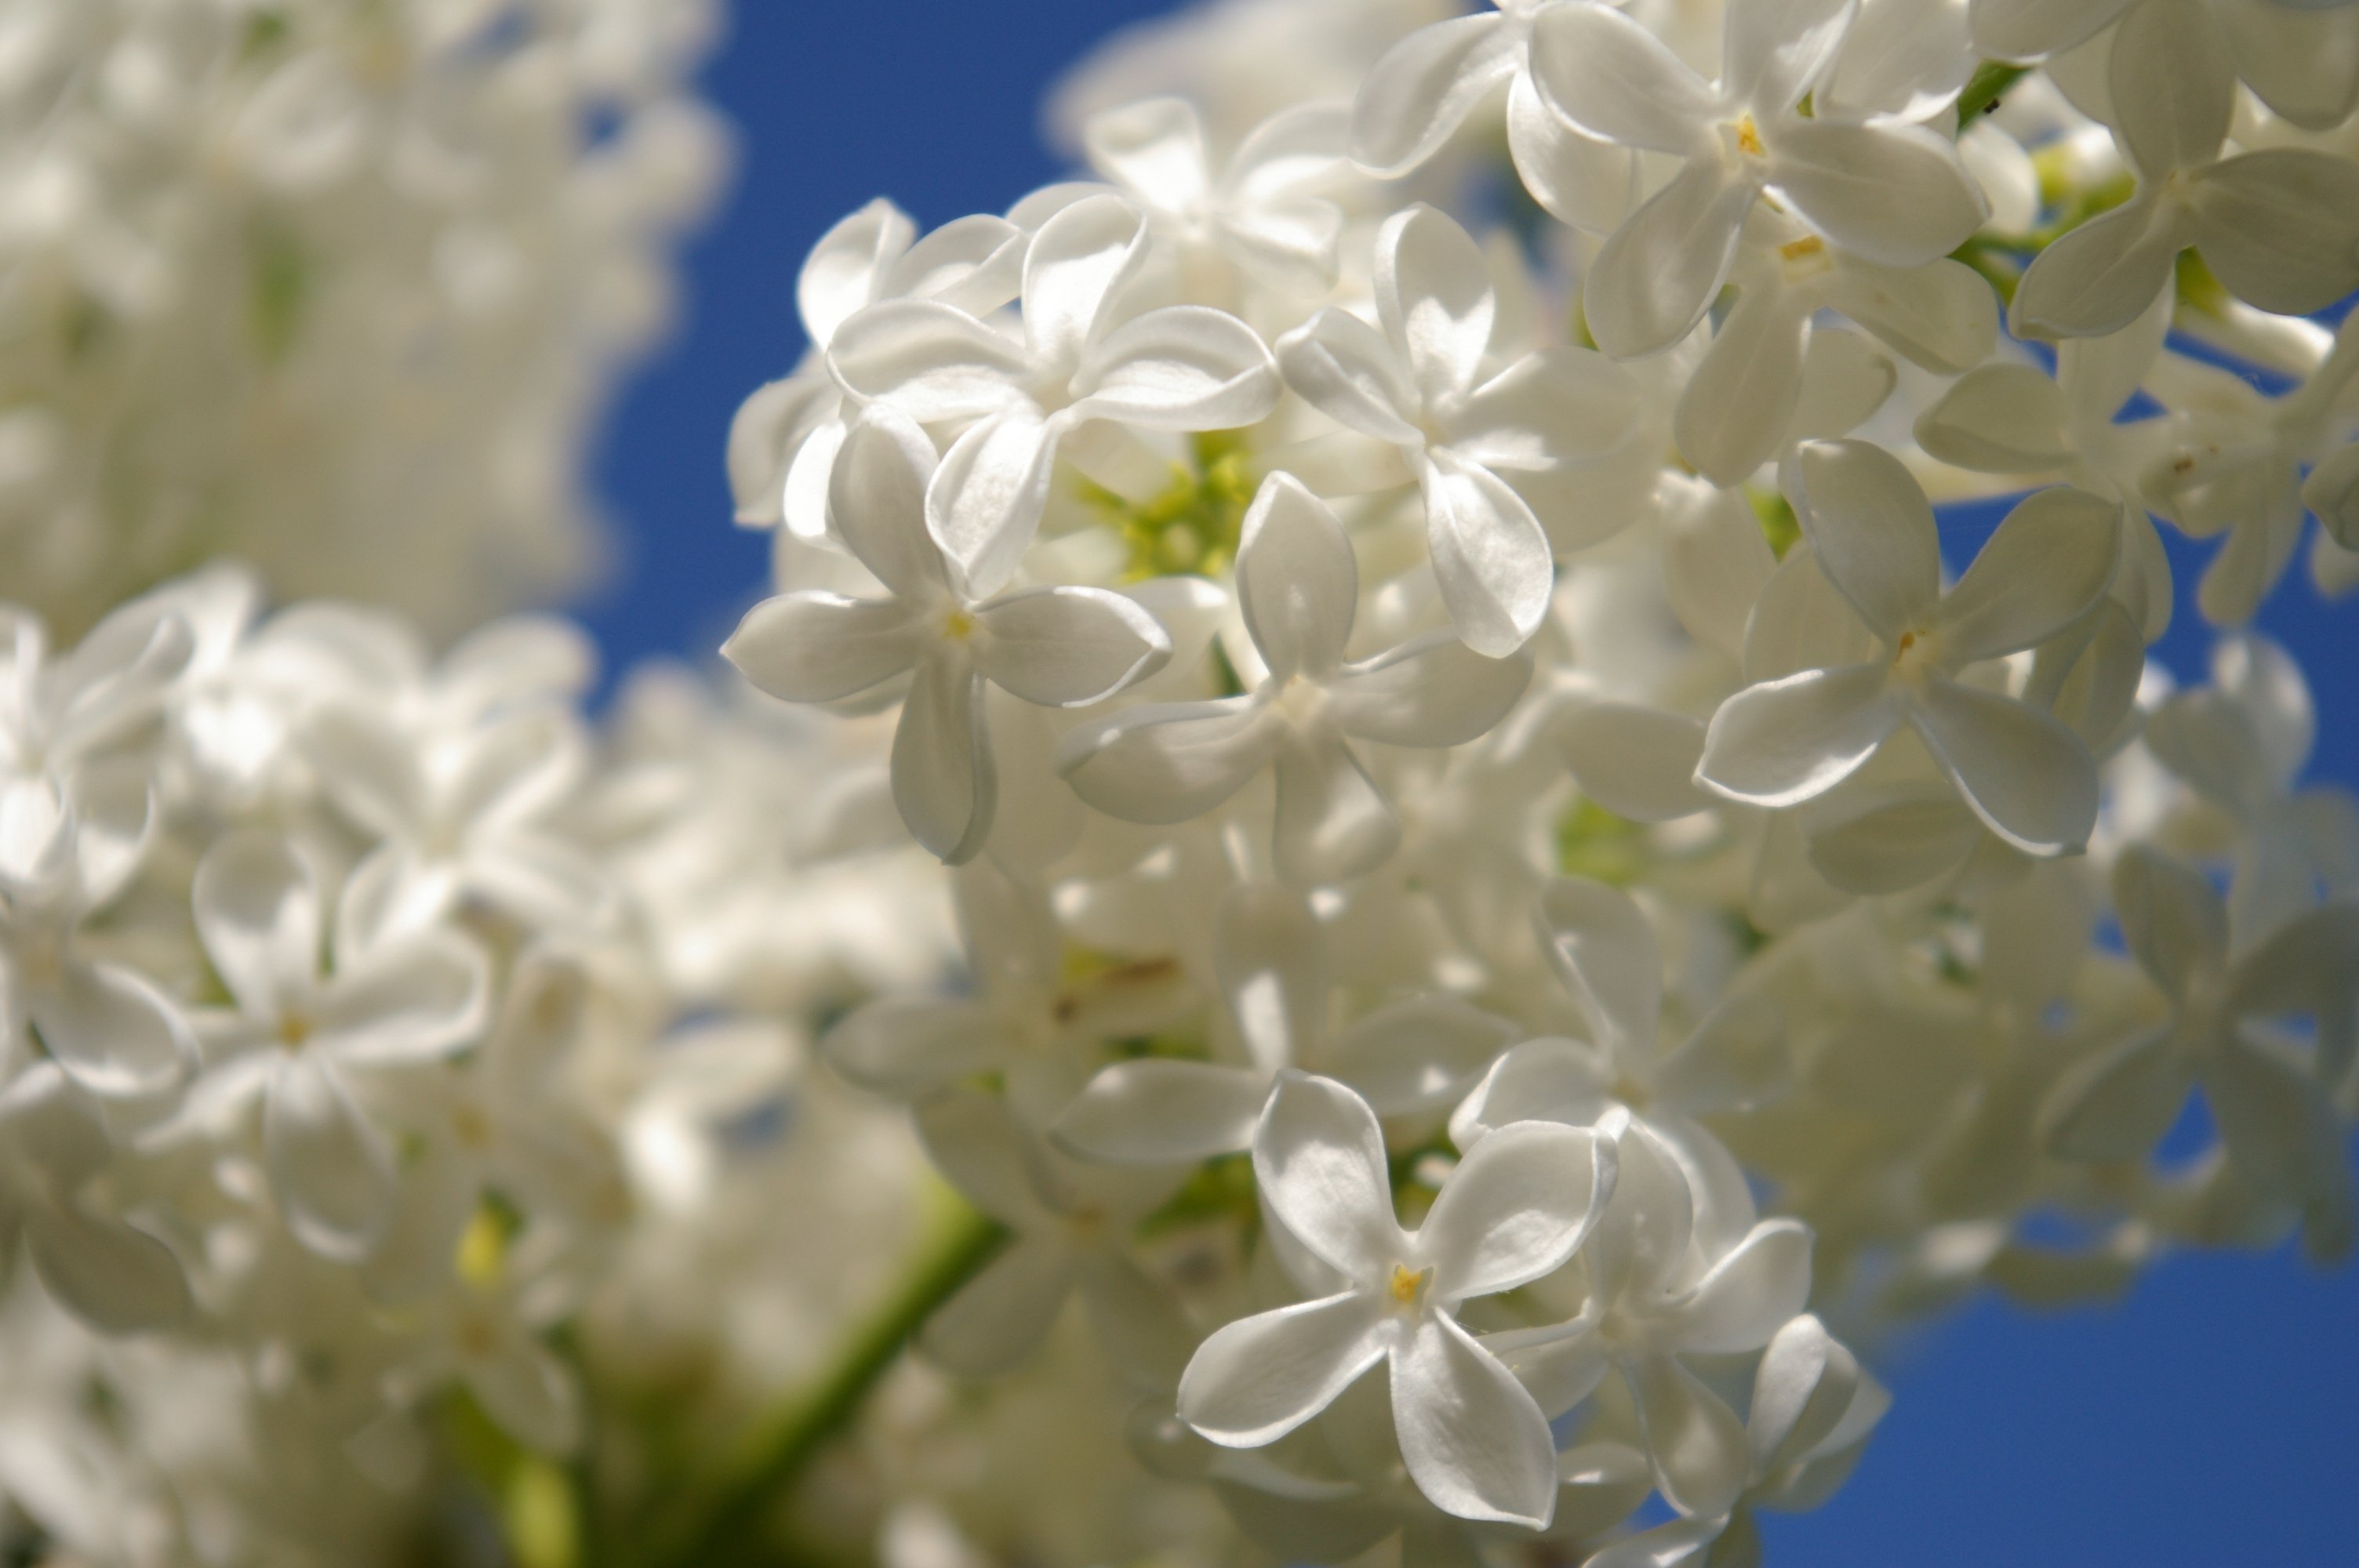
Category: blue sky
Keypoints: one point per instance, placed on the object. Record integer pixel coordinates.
(2212, 1419)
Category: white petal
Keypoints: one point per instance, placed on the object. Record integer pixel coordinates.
(1605, 953)
(1871, 531)
(841, 272)
(1182, 368)
(1259, 1378)
(1802, 1390)
(1297, 584)
(877, 500)
(1489, 553)
(1434, 300)
(1558, 405)
(975, 264)
(1067, 647)
(332, 1171)
(1539, 1080)
(817, 647)
(116, 1279)
(2117, 1105)
(2026, 30)
(1161, 1112)
(257, 908)
(1944, 315)
(1773, 51)
(905, 1046)
(2099, 278)
(2047, 564)
(1419, 1054)
(1320, 1158)
(1716, 562)
(2281, 227)
(1638, 762)
(2003, 418)
(1895, 840)
(1002, 1314)
(1654, 279)
(1895, 195)
(1784, 741)
(1345, 368)
(1271, 959)
(1077, 262)
(529, 1392)
(2023, 771)
(1168, 762)
(1697, 1443)
(1517, 1208)
(1751, 1293)
(1641, 1245)
(984, 504)
(1735, 410)
(1473, 1440)
(2173, 87)
(1156, 148)
(2172, 919)
(1423, 88)
(112, 1031)
(930, 360)
(1612, 78)
(973, 1139)
(1333, 822)
(413, 999)
(1577, 178)
(2308, 967)
(1137, 1322)
(1432, 690)
(942, 775)
(2275, 1120)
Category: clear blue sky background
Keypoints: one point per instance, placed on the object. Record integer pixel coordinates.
(2210, 1421)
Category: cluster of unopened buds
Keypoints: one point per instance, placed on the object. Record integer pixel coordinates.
(1518, 918)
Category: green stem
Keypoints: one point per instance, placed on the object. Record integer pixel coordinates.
(726, 1527)
(1985, 88)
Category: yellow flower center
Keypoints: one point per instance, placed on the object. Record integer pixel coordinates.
(1407, 1289)
(1748, 137)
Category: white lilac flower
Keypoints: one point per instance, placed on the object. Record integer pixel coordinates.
(1269, 956)
(1265, 213)
(1077, 359)
(1490, 451)
(1890, 194)
(2280, 227)
(1653, 1295)
(2270, 1105)
(1298, 587)
(783, 441)
(1517, 1208)
(296, 1034)
(949, 627)
(1788, 739)
(1427, 86)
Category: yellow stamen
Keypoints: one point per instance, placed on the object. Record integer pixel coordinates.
(1748, 137)
(958, 625)
(1798, 249)
(1407, 1287)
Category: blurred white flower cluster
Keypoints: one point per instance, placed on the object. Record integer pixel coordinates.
(1527, 902)
(335, 288)
(358, 1036)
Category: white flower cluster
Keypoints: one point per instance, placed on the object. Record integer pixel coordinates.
(357, 1040)
(333, 288)
(1511, 895)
